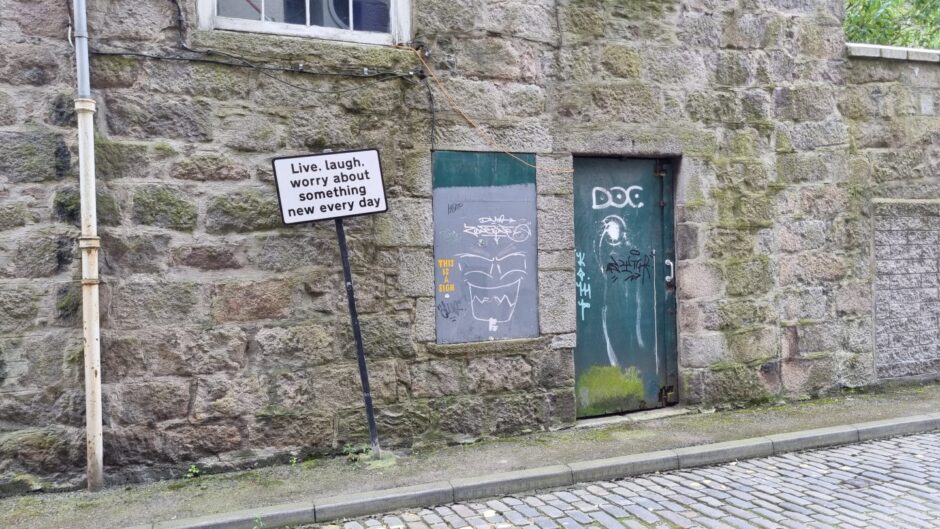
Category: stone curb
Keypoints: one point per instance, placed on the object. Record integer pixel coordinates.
(462, 489)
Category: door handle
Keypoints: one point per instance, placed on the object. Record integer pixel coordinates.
(672, 271)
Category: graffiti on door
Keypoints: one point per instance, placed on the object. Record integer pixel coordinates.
(619, 242)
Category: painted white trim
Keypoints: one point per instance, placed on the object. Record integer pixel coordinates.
(205, 9)
(399, 26)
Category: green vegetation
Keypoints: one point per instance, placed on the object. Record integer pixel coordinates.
(911, 23)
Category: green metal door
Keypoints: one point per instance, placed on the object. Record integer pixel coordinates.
(626, 355)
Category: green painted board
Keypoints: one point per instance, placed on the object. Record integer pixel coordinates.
(625, 357)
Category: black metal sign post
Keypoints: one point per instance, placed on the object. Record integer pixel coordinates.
(357, 334)
(335, 185)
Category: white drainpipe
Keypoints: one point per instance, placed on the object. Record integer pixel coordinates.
(89, 244)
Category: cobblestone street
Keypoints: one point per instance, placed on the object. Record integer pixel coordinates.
(887, 484)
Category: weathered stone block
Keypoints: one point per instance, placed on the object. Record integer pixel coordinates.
(498, 374)
(45, 252)
(748, 277)
(734, 68)
(222, 396)
(557, 299)
(853, 299)
(337, 386)
(165, 207)
(808, 376)
(404, 424)
(809, 303)
(802, 235)
(67, 207)
(16, 214)
(702, 350)
(163, 117)
(33, 155)
(207, 257)
(288, 431)
(416, 273)
(149, 401)
(697, 280)
(283, 253)
(300, 346)
(183, 442)
(737, 383)
(462, 419)
(252, 133)
(118, 159)
(386, 335)
(261, 300)
(754, 345)
(554, 368)
(425, 320)
(27, 64)
(46, 450)
(438, 378)
(516, 413)
(687, 245)
(19, 306)
(809, 269)
(133, 253)
(148, 301)
(408, 222)
(246, 210)
(209, 167)
(804, 102)
(555, 230)
(621, 61)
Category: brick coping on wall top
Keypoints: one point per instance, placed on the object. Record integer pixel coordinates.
(892, 52)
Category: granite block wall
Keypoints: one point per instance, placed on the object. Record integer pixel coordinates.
(225, 335)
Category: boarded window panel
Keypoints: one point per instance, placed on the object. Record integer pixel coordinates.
(329, 13)
(249, 9)
(485, 246)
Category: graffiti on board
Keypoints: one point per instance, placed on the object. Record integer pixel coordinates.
(485, 250)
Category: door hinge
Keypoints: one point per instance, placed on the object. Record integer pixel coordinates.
(665, 392)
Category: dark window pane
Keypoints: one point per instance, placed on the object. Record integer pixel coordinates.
(371, 15)
(329, 13)
(289, 11)
(250, 9)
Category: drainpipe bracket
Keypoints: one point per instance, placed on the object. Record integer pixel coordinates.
(89, 242)
(84, 105)
(88, 282)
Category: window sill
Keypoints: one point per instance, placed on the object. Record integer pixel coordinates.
(313, 52)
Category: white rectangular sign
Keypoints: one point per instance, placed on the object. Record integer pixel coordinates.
(328, 186)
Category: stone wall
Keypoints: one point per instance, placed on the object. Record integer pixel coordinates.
(907, 249)
(225, 335)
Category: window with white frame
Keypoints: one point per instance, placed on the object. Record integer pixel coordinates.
(365, 21)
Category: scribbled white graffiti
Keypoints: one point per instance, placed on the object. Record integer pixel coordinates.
(616, 197)
(582, 285)
(493, 304)
(500, 227)
(614, 230)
